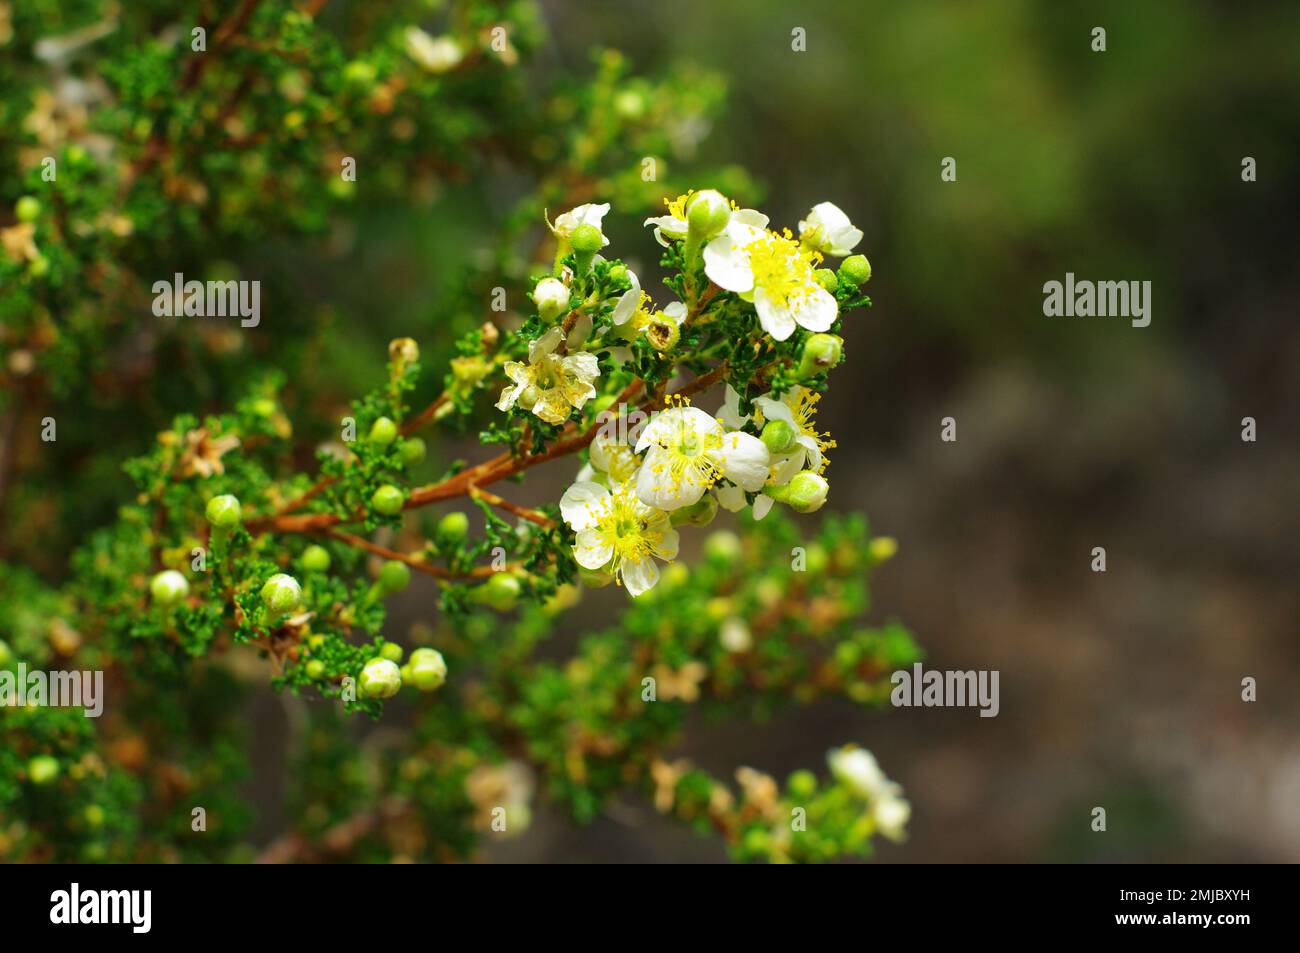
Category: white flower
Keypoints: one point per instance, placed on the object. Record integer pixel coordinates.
(829, 231)
(729, 413)
(689, 452)
(548, 385)
(776, 271)
(856, 768)
(590, 214)
(618, 533)
(891, 814)
(437, 56)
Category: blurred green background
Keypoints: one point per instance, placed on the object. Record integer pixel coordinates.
(1122, 689)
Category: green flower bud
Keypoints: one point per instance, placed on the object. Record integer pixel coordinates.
(699, 513)
(847, 655)
(821, 352)
(391, 651)
(383, 431)
(552, 296)
(388, 500)
(707, 214)
(756, 841)
(224, 511)
(452, 530)
(778, 436)
(359, 73)
(380, 678)
(281, 593)
(413, 450)
(855, 269)
(27, 208)
(618, 274)
(169, 587)
(806, 493)
(42, 769)
(94, 815)
(586, 239)
(826, 278)
(500, 592)
(315, 559)
(394, 576)
(315, 669)
(802, 784)
(38, 266)
(265, 407)
(6, 653)
(428, 669)
(723, 546)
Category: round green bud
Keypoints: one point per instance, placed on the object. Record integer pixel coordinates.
(394, 576)
(806, 493)
(316, 643)
(223, 511)
(168, 587)
(38, 266)
(388, 500)
(315, 559)
(380, 678)
(826, 278)
(265, 407)
(391, 651)
(847, 655)
(500, 592)
(802, 784)
(723, 545)
(821, 352)
(6, 653)
(452, 529)
(428, 669)
(552, 295)
(586, 239)
(281, 593)
(77, 154)
(94, 815)
(383, 431)
(27, 208)
(756, 841)
(413, 450)
(707, 214)
(855, 269)
(618, 274)
(359, 73)
(315, 669)
(406, 672)
(778, 436)
(42, 769)
(816, 559)
(699, 513)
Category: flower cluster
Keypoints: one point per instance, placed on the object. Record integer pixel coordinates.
(743, 288)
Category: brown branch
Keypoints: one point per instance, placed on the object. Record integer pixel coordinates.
(419, 565)
(541, 519)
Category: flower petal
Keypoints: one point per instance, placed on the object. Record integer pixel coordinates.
(591, 550)
(773, 315)
(628, 302)
(657, 487)
(731, 498)
(581, 504)
(639, 576)
(762, 504)
(744, 460)
(816, 312)
(727, 264)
